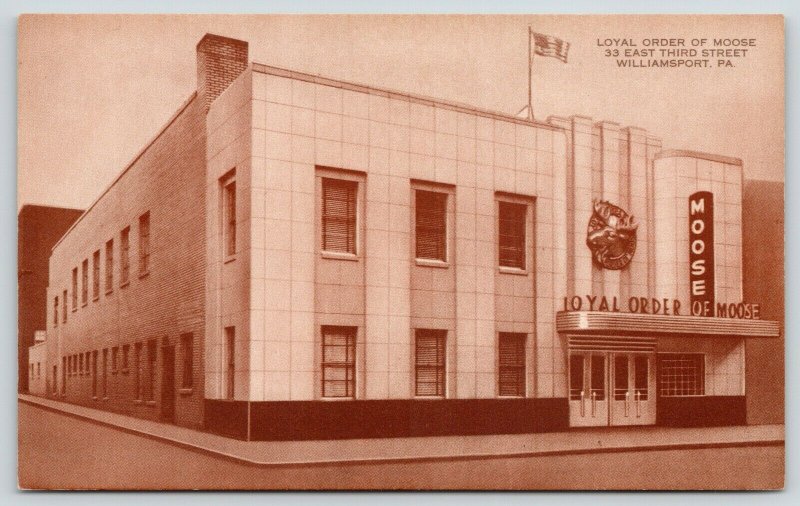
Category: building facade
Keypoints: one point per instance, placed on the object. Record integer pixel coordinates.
(295, 257)
(38, 229)
(37, 363)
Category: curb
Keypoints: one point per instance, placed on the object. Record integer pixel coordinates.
(404, 460)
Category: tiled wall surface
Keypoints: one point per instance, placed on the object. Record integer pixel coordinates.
(228, 289)
(621, 165)
(724, 361)
(298, 126)
(677, 177)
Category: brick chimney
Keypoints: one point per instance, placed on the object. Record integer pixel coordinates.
(220, 60)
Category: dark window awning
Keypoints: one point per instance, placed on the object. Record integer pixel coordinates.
(601, 322)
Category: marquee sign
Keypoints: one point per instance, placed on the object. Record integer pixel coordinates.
(611, 235)
(701, 252)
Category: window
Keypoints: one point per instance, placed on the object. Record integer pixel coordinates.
(64, 307)
(109, 265)
(339, 215)
(114, 359)
(230, 357)
(55, 311)
(187, 351)
(511, 366)
(85, 282)
(144, 243)
(96, 275)
(431, 225)
(681, 374)
(63, 376)
(125, 356)
(150, 385)
(228, 184)
(104, 384)
(80, 363)
(75, 289)
(137, 371)
(430, 362)
(511, 234)
(124, 254)
(93, 369)
(338, 361)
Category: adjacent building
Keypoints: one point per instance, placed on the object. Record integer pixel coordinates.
(296, 257)
(38, 229)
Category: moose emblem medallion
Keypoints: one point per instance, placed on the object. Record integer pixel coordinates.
(611, 235)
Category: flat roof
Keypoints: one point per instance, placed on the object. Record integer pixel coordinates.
(686, 153)
(400, 95)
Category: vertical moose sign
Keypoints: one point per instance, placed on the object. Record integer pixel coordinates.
(701, 253)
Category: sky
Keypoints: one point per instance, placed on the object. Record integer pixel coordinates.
(93, 90)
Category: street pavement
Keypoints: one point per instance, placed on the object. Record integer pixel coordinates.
(58, 450)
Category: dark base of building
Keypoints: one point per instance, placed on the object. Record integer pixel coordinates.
(701, 411)
(315, 420)
(310, 420)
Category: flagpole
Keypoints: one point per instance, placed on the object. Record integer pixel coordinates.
(530, 75)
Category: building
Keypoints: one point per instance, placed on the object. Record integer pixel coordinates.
(295, 257)
(37, 360)
(38, 229)
(763, 237)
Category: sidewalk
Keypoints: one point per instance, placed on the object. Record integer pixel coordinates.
(355, 451)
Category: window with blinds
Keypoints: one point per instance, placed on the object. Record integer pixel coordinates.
(229, 213)
(338, 361)
(96, 275)
(109, 265)
(74, 288)
(511, 234)
(339, 215)
(431, 225)
(511, 367)
(85, 282)
(430, 362)
(681, 374)
(124, 253)
(144, 243)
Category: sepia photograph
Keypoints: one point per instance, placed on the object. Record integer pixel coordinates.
(400, 252)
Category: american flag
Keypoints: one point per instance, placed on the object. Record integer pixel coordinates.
(546, 45)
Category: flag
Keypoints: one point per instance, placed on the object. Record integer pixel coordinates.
(546, 45)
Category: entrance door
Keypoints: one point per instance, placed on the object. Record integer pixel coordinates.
(588, 404)
(633, 379)
(611, 388)
(168, 384)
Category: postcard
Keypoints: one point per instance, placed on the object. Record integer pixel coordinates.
(528, 252)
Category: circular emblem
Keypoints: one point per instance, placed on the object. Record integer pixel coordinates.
(611, 235)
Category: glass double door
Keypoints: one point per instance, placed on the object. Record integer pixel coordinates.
(611, 388)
